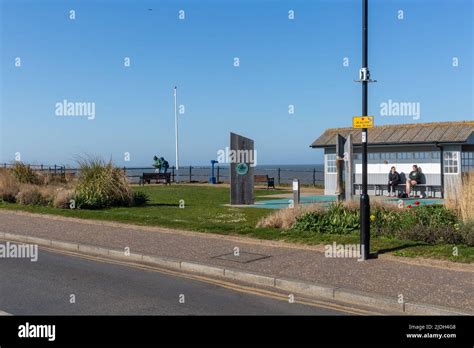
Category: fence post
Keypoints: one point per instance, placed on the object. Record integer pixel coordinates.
(278, 177)
(190, 174)
(172, 173)
(218, 174)
(54, 170)
(124, 171)
(314, 177)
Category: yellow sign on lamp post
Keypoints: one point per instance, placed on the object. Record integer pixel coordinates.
(363, 122)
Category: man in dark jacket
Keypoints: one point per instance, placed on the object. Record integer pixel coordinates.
(393, 181)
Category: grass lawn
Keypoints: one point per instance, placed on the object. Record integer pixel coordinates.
(205, 211)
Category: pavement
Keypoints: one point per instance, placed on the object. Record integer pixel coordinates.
(45, 287)
(385, 280)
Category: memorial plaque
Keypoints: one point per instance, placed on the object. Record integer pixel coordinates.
(242, 157)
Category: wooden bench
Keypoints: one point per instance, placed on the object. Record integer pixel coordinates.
(163, 177)
(430, 190)
(375, 187)
(270, 182)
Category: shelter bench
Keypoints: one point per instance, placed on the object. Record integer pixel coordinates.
(270, 182)
(379, 189)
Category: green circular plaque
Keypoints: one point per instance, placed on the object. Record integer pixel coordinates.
(242, 168)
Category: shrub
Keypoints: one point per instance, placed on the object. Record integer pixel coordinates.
(47, 178)
(48, 193)
(435, 216)
(24, 174)
(9, 187)
(466, 229)
(431, 234)
(69, 176)
(337, 219)
(431, 224)
(63, 198)
(392, 221)
(101, 185)
(140, 198)
(30, 195)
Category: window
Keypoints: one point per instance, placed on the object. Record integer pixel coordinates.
(402, 155)
(422, 155)
(467, 161)
(435, 155)
(393, 155)
(451, 162)
(374, 156)
(331, 163)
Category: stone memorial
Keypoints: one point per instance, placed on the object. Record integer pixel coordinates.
(242, 160)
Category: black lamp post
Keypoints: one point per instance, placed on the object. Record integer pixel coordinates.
(364, 198)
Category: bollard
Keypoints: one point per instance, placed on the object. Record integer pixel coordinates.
(296, 192)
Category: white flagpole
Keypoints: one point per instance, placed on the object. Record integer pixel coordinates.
(176, 128)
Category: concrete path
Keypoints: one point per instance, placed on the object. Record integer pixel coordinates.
(388, 277)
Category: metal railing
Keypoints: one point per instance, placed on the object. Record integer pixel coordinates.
(200, 174)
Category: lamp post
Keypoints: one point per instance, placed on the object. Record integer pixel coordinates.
(364, 198)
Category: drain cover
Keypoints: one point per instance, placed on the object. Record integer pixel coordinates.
(243, 257)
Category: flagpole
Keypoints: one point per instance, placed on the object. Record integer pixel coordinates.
(176, 129)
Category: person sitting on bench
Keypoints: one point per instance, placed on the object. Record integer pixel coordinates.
(414, 178)
(393, 181)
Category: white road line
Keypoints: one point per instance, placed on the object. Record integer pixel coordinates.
(4, 313)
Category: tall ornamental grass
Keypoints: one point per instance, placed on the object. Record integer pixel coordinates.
(461, 200)
(101, 185)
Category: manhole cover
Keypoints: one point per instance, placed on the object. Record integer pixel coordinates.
(242, 257)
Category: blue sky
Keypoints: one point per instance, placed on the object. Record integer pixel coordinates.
(282, 62)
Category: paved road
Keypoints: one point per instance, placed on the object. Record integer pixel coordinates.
(44, 288)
